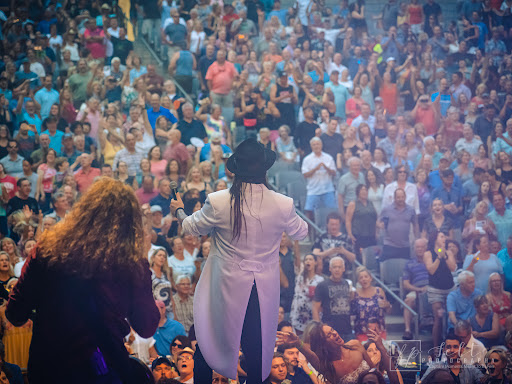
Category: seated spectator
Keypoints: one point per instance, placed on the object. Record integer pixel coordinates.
(474, 351)
(167, 330)
(278, 370)
(452, 350)
(460, 303)
(162, 369)
(185, 363)
(485, 323)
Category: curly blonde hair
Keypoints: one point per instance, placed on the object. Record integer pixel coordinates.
(102, 233)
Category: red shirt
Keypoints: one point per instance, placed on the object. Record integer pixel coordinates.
(98, 49)
(428, 118)
(85, 180)
(144, 197)
(9, 183)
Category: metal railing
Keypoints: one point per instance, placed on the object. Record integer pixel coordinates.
(319, 231)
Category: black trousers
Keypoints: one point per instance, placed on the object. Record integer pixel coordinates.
(251, 346)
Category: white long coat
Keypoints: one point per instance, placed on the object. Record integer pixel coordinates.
(222, 293)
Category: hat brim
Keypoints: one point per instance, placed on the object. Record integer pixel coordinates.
(269, 160)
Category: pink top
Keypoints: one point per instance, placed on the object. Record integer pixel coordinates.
(158, 168)
(92, 118)
(48, 175)
(98, 49)
(221, 77)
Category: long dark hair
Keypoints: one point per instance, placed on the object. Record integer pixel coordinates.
(326, 355)
(237, 192)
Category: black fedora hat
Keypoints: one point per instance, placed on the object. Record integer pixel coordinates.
(251, 160)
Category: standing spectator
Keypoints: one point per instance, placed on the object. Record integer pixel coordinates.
(287, 259)
(397, 220)
(122, 46)
(174, 34)
(78, 83)
(332, 299)
(284, 96)
(331, 244)
(305, 131)
(189, 126)
(85, 176)
(163, 199)
(431, 8)
(348, 183)
(45, 177)
(440, 263)
(482, 263)
(157, 110)
(306, 282)
(95, 39)
(505, 256)
(361, 220)
(181, 67)
(451, 196)
(13, 163)
(415, 280)
(220, 77)
(426, 113)
(484, 124)
(501, 217)
(339, 91)
(369, 302)
(401, 182)
(46, 97)
(458, 87)
(318, 169)
(204, 63)
(129, 155)
(460, 303)
(332, 142)
(182, 302)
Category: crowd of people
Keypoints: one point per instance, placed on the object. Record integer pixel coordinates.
(401, 138)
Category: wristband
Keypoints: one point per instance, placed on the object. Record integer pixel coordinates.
(310, 373)
(176, 212)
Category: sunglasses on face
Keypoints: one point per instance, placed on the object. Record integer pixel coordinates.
(185, 358)
(180, 346)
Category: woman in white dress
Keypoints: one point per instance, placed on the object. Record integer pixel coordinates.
(305, 284)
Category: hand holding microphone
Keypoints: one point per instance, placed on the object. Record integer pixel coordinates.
(176, 202)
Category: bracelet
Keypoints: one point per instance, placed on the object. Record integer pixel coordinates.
(176, 213)
(310, 373)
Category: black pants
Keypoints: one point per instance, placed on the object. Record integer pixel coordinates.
(251, 346)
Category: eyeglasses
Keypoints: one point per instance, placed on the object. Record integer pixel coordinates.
(185, 358)
(180, 346)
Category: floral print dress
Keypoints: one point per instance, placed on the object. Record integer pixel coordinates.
(364, 308)
(302, 311)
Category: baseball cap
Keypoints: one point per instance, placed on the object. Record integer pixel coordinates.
(281, 73)
(159, 361)
(67, 136)
(156, 208)
(390, 59)
(186, 350)
(378, 98)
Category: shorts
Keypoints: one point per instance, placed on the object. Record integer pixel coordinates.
(436, 295)
(411, 295)
(327, 200)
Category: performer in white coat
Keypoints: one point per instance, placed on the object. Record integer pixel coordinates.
(236, 300)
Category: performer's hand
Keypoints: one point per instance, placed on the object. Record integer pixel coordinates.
(176, 203)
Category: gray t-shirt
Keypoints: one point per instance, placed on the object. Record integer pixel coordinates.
(397, 224)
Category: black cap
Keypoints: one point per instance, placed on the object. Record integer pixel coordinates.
(160, 360)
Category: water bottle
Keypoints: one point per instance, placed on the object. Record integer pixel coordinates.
(418, 380)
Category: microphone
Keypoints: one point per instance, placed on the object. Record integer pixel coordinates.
(174, 190)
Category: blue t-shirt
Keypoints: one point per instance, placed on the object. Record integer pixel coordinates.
(463, 306)
(506, 262)
(153, 116)
(165, 334)
(55, 140)
(444, 103)
(483, 269)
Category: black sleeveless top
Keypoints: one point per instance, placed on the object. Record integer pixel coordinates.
(442, 277)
